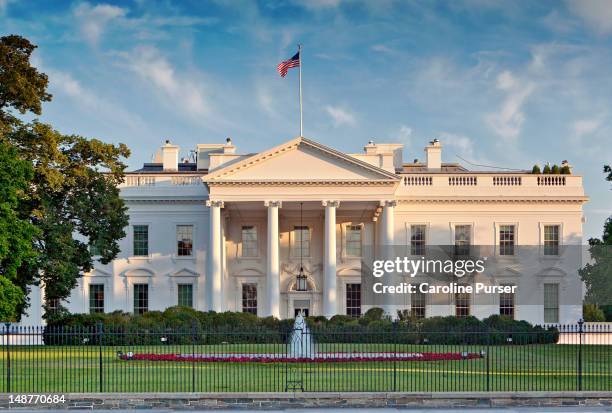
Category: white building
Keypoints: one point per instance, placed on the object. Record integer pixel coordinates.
(223, 233)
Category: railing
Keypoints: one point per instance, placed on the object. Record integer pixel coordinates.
(115, 359)
(507, 180)
(462, 180)
(551, 180)
(161, 180)
(418, 180)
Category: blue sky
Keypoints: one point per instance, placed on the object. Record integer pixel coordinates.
(503, 83)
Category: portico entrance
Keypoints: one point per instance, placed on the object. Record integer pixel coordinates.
(256, 226)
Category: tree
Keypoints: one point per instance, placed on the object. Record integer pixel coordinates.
(597, 275)
(16, 231)
(536, 169)
(555, 169)
(73, 201)
(546, 169)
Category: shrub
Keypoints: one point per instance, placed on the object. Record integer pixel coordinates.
(180, 325)
(536, 169)
(546, 169)
(590, 312)
(565, 170)
(555, 169)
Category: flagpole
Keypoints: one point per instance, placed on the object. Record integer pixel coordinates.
(300, 76)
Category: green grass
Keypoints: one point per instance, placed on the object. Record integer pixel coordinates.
(62, 369)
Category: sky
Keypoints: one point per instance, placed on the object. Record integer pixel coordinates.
(500, 83)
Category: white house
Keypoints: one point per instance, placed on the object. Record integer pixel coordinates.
(223, 232)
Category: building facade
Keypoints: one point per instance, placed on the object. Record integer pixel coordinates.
(229, 232)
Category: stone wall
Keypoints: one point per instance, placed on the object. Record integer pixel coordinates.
(263, 401)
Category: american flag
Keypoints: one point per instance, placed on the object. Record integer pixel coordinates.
(283, 67)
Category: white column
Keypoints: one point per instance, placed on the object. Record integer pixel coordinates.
(214, 298)
(387, 246)
(330, 305)
(273, 272)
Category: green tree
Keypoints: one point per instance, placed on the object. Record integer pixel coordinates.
(16, 231)
(74, 199)
(597, 275)
(536, 169)
(546, 169)
(555, 169)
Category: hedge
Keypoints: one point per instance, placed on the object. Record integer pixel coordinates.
(180, 325)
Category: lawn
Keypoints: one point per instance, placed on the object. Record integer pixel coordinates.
(63, 369)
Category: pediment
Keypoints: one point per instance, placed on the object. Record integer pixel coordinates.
(300, 160)
(96, 272)
(552, 272)
(138, 272)
(185, 272)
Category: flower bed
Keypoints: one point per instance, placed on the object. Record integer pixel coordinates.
(284, 358)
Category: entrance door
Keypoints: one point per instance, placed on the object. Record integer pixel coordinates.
(303, 306)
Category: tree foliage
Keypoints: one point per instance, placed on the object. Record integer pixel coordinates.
(73, 198)
(597, 275)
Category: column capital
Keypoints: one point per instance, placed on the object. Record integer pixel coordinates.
(214, 203)
(329, 203)
(278, 204)
(388, 203)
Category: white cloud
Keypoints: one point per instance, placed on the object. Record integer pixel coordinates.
(462, 145)
(63, 83)
(597, 14)
(340, 116)
(585, 127)
(381, 48)
(179, 90)
(508, 120)
(319, 4)
(93, 20)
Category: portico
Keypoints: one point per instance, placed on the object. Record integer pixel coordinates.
(288, 177)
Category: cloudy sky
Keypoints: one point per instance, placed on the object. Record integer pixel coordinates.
(503, 83)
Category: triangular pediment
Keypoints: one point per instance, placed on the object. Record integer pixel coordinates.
(300, 160)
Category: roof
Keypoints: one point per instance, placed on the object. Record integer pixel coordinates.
(156, 167)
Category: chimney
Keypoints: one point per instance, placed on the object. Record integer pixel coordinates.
(433, 153)
(229, 147)
(170, 156)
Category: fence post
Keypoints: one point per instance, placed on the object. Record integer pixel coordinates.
(100, 334)
(488, 355)
(395, 355)
(580, 333)
(7, 326)
(193, 362)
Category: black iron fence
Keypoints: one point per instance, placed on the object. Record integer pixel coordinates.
(113, 359)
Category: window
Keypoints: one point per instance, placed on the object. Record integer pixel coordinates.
(53, 304)
(506, 239)
(353, 241)
(249, 298)
(141, 298)
(551, 240)
(96, 298)
(417, 239)
(462, 304)
(185, 295)
(141, 240)
(506, 304)
(353, 300)
(463, 235)
(184, 240)
(417, 304)
(301, 238)
(551, 303)
(94, 250)
(249, 241)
